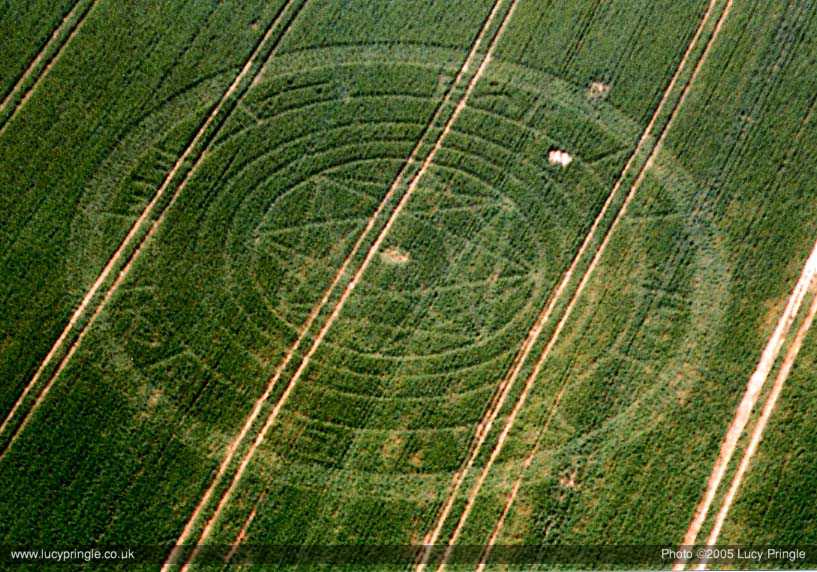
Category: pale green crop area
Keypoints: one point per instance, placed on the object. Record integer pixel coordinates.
(306, 272)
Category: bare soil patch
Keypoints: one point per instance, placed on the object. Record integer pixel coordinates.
(395, 255)
(568, 480)
(598, 90)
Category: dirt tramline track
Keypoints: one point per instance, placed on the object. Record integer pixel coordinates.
(747, 404)
(242, 534)
(370, 254)
(760, 426)
(533, 335)
(369, 456)
(42, 62)
(774, 394)
(806, 281)
(500, 523)
(132, 245)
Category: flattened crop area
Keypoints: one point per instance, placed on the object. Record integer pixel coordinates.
(317, 272)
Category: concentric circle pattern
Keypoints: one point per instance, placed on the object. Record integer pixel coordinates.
(401, 380)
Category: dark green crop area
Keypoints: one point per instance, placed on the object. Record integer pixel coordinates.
(395, 272)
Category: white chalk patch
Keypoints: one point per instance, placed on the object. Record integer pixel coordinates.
(559, 157)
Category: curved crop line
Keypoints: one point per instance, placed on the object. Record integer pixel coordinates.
(505, 387)
(372, 44)
(422, 376)
(298, 109)
(124, 255)
(510, 177)
(463, 240)
(315, 421)
(137, 130)
(246, 166)
(259, 104)
(585, 278)
(244, 169)
(474, 102)
(230, 281)
(262, 100)
(607, 426)
(41, 64)
(269, 176)
(370, 254)
(342, 187)
(493, 165)
(500, 523)
(461, 351)
(558, 100)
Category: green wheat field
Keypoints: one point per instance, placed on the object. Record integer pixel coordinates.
(349, 275)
